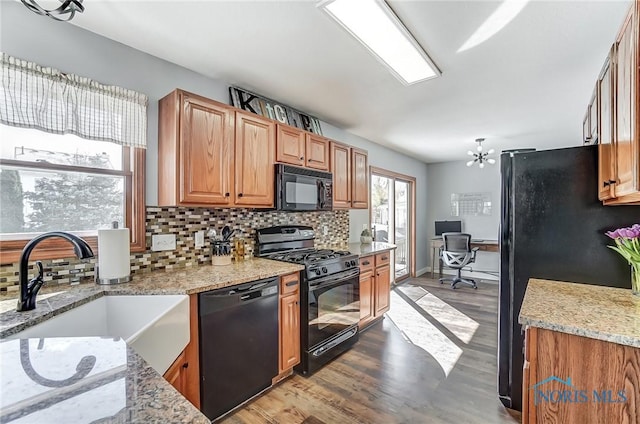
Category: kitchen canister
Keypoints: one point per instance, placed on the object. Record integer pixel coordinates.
(113, 256)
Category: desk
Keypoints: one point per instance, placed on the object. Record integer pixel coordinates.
(483, 246)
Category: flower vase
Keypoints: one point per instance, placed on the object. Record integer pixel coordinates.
(635, 279)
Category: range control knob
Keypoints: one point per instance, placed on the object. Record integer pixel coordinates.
(353, 262)
(324, 270)
(348, 264)
(316, 271)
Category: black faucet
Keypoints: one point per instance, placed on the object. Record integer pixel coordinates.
(29, 289)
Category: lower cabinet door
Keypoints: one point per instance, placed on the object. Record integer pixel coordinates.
(367, 297)
(175, 375)
(383, 289)
(289, 332)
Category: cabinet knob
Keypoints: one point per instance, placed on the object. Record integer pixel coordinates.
(384, 258)
(301, 157)
(310, 160)
(185, 365)
(239, 194)
(226, 195)
(608, 183)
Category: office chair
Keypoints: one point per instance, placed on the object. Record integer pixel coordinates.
(457, 253)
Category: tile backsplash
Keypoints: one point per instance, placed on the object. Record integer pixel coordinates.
(184, 222)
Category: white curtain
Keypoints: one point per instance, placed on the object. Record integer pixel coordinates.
(33, 96)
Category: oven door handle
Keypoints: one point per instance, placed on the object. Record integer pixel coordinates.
(328, 281)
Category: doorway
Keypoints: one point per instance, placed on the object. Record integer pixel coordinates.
(393, 217)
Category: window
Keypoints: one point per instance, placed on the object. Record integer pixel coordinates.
(68, 163)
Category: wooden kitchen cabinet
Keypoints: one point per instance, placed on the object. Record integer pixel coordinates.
(367, 290)
(184, 373)
(611, 368)
(195, 151)
(383, 283)
(618, 129)
(255, 139)
(359, 179)
(289, 322)
(298, 147)
(375, 287)
(176, 374)
(341, 170)
(317, 152)
(290, 145)
(605, 130)
(590, 122)
(350, 170)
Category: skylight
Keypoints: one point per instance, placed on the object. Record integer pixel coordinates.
(373, 23)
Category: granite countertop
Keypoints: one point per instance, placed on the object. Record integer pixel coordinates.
(56, 300)
(85, 380)
(597, 312)
(120, 386)
(370, 248)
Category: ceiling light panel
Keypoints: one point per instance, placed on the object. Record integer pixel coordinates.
(375, 25)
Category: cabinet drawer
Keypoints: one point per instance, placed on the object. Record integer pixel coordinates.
(383, 258)
(366, 264)
(289, 283)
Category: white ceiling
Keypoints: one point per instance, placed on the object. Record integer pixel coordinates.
(527, 86)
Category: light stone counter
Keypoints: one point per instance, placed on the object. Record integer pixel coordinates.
(85, 380)
(129, 391)
(56, 300)
(370, 248)
(598, 312)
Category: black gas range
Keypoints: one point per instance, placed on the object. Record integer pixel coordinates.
(329, 295)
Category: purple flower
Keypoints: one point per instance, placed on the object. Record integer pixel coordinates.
(632, 232)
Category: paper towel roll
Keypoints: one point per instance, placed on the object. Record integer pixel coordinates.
(113, 256)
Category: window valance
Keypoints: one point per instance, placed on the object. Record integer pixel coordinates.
(34, 96)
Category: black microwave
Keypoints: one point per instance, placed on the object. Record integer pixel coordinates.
(301, 189)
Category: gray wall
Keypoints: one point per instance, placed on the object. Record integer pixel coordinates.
(455, 177)
(71, 49)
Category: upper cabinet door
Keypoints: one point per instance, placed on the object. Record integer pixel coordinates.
(359, 179)
(341, 169)
(317, 152)
(206, 152)
(255, 158)
(605, 131)
(625, 142)
(290, 145)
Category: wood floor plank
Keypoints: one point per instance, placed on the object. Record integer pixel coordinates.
(388, 379)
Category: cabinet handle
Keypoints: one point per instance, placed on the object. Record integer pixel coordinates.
(226, 195)
(366, 263)
(185, 365)
(240, 195)
(291, 283)
(384, 258)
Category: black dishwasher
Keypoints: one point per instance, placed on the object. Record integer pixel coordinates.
(238, 344)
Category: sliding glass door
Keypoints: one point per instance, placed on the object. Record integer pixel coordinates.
(392, 212)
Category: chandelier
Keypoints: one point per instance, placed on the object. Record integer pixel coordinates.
(480, 156)
(65, 12)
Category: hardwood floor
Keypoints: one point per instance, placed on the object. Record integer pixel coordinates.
(446, 374)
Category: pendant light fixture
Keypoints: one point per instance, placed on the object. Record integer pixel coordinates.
(481, 156)
(65, 12)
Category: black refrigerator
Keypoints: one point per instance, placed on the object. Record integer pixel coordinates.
(552, 227)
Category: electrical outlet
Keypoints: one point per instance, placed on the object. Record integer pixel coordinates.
(163, 242)
(199, 236)
(325, 230)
